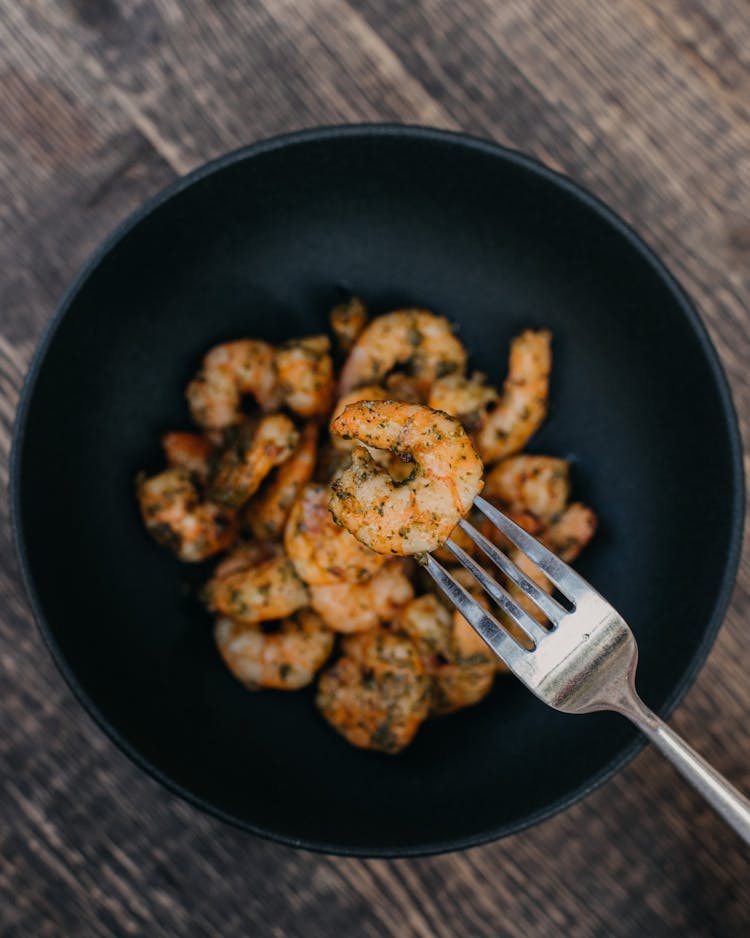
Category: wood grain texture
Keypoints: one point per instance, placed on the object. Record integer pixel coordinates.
(101, 103)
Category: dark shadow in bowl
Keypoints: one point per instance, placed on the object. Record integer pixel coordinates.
(256, 244)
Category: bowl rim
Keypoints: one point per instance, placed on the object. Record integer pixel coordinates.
(461, 140)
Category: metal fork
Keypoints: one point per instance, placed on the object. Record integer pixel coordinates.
(585, 661)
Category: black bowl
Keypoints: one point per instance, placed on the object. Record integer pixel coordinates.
(259, 243)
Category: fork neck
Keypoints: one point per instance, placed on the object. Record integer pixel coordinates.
(630, 705)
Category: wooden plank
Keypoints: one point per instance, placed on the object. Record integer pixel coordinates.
(220, 66)
(713, 36)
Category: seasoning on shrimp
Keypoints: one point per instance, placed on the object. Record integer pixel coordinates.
(321, 550)
(228, 374)
(537, 484)
(256, 586)
(416, 515)
(403, 387)
(377, 694)
(506, 428)
(176, 517)
(255, 449)
(193, 452)
(283, 656)
(354, 607)
(415, 338)
(461, 667)
(266, 515)
(399, 467)
(469, 399)
(571, 531)
(243, 556)
(305, 374)
(347, 322)
(368, 392)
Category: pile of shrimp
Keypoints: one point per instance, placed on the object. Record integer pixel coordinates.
(317, 491)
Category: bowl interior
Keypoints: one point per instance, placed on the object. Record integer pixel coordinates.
(259, 246)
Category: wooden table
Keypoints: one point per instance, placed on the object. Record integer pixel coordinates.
(102, 102)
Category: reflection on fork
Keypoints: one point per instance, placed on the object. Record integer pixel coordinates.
(581, 657)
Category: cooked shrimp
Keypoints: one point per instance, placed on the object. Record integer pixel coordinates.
(253, 452)
(353, 607)
(305, 374)
(571, 532)
(347, 322)
(263, 589)
(192, 452)
(268, 512)
(176, 518)
(466, 398)
(377, 694)
(286, 658)
(400, 468)
(505, 429)
(413, 337)
(370, 392)
(242, 556)
(537, 484)
(321, 550)
(230, 372)
(420, 513)
(407, 388)
(460, 665)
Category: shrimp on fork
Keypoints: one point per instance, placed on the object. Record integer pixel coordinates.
(417, 515)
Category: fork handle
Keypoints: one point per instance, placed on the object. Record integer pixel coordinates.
(724, 798)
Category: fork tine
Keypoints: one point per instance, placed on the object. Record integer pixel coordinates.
(501, 596)
(488, 628)
(564, 578)
(549, 606)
